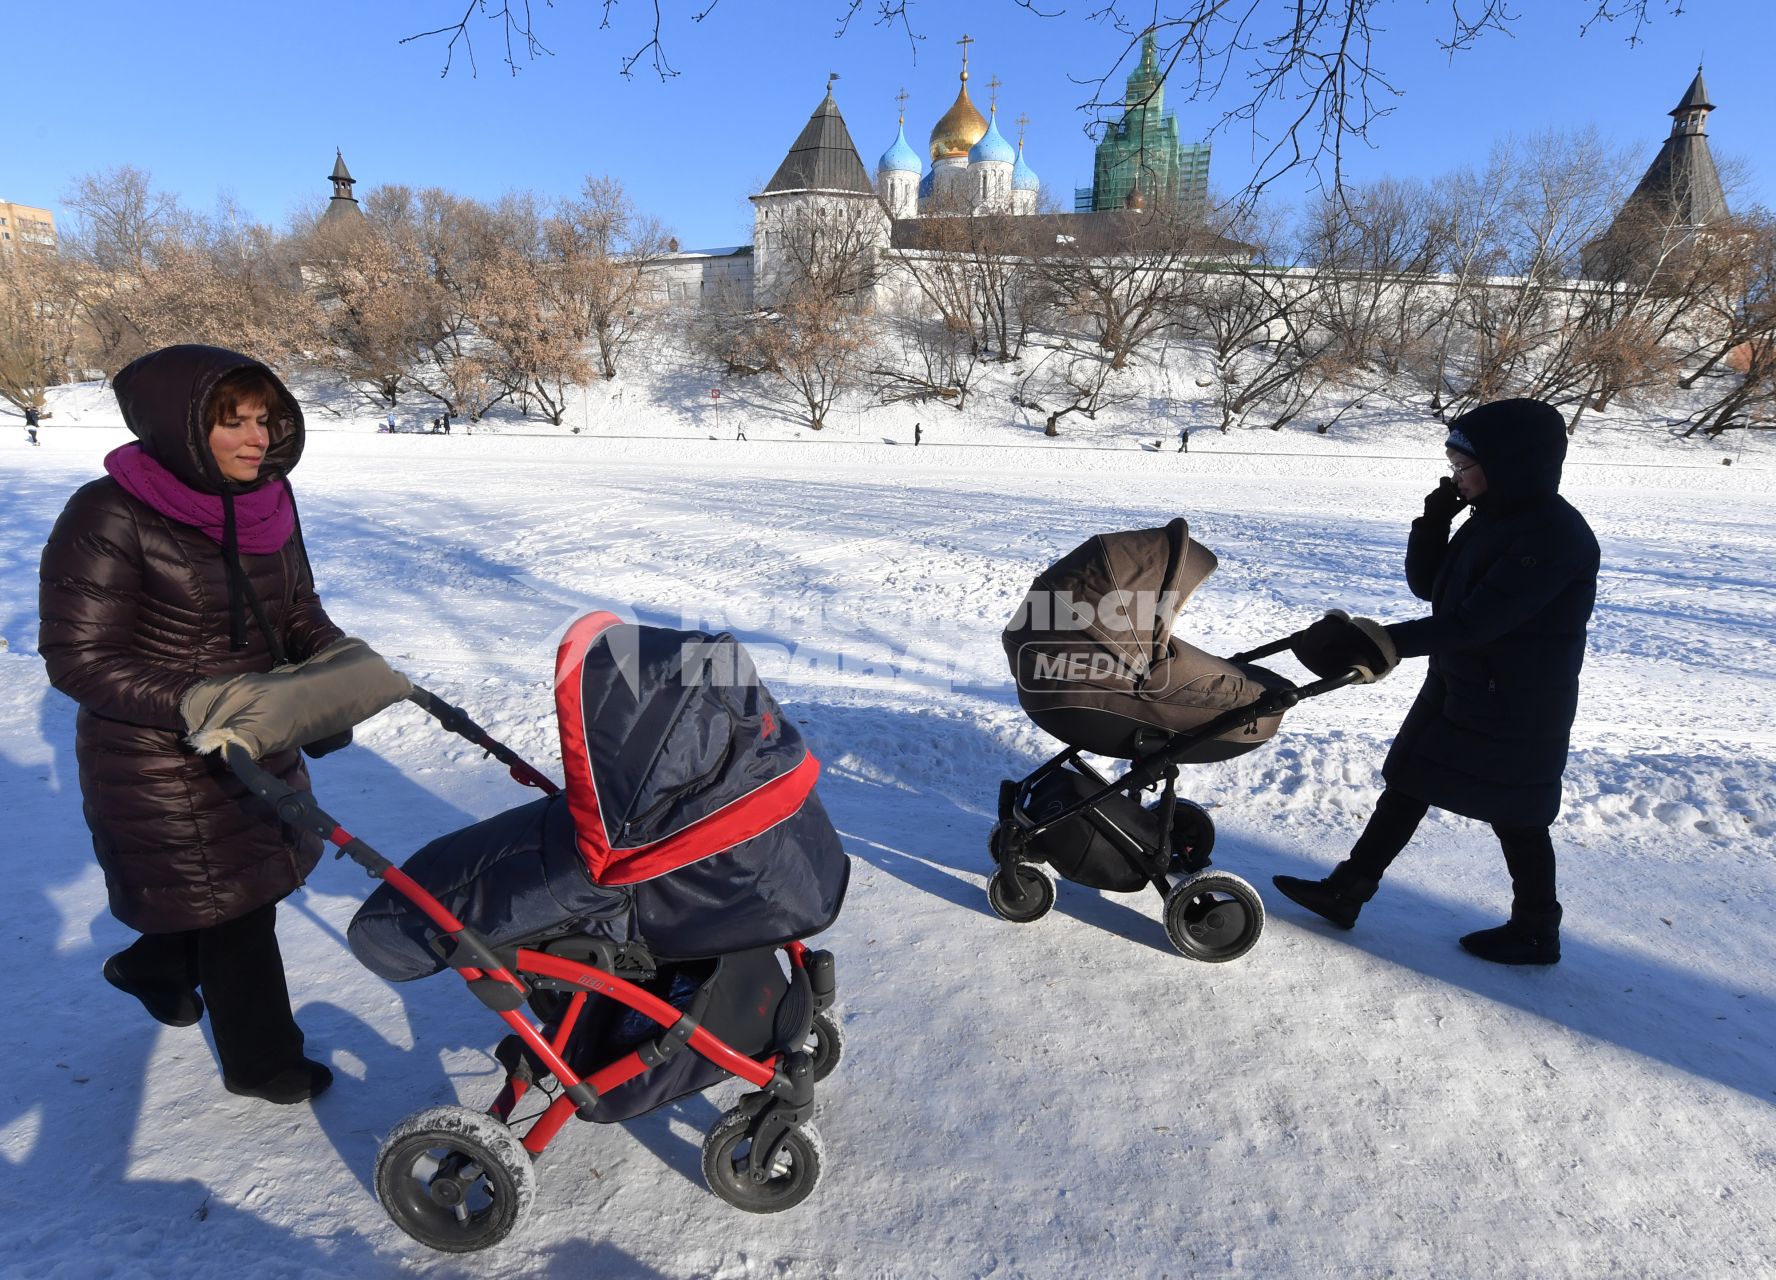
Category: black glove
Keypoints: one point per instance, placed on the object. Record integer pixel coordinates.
(1443, 502)
(327, 746)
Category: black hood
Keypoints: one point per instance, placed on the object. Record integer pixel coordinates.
(1520, 443)
(165, 398)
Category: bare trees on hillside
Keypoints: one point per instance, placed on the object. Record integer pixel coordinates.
(817, 281)
(146, 273)
(38, 327)
(468, 304)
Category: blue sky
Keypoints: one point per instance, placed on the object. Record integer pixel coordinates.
(252, 97)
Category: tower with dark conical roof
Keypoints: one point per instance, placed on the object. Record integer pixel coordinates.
(821, 192)
(343, 205)
(1679, 195)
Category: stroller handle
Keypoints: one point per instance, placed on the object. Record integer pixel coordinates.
(299, 809)
(1266, 650)
(455, 720)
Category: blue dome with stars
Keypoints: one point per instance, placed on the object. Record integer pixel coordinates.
(992, 147)
(900, 158)
(1023, 177)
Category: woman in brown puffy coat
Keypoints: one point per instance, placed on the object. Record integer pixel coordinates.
(184, 567)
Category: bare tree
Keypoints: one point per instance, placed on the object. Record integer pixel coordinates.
(1520, 332)
(1742, 357)
(1129, 287)
(813, 343)
(1265, 324)
(379, 310)
(830, 248)
(600, 250)
(1378, 248)
(1070, 379)
(37, 326)
(149, 273)
(937, 360)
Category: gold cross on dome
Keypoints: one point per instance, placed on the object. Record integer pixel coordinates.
(965, 41)
(901, 98)
(993, 93)
(1023, 122)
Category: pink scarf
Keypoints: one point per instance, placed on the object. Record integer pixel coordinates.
(263, 519)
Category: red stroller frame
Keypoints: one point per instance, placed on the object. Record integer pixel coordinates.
(761, 1156)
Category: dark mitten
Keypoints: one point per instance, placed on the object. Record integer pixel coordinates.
(1324, 647)
(328, 745)
(1337, 643)
(1443, 502)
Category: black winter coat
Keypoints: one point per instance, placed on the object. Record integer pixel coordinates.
(1510, 595)
(135, 611)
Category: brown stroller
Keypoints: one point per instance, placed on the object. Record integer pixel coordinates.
(1098, 665)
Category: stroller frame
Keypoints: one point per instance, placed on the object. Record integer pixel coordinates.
(761, 1156)
(1209, 915)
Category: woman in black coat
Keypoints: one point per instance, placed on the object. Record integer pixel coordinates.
(164, 584)
(1511, 593)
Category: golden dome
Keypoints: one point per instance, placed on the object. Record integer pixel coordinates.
(959, 129)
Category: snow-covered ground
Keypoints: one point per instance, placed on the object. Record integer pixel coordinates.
(1068, 1098)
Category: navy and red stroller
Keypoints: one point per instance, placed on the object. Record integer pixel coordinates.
(640, 930)
(1098, 664)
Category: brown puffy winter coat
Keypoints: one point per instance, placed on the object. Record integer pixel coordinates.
(135, 611)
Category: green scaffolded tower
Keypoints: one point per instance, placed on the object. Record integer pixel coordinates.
(1141, 152)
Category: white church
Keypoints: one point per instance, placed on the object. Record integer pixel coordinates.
(974, 172)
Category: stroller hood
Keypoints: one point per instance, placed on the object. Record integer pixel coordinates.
(1095, 658)
(1121, 592)
(689, 822)
(672, 748)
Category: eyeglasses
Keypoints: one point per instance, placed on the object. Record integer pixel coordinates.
(1457, 468)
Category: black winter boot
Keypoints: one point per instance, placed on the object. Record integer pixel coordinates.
(305, 1080)
(175, 1005)
(1336, 898)
(1530, 937)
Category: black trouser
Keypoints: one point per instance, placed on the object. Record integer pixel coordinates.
(1529, 853)
(240, 970)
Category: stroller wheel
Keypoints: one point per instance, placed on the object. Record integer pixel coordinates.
(1214, 917)
(1032, 903)
(455, 1180)
(726, 1153)
(825, 1045)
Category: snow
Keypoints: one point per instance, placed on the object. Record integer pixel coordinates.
(1065, 1098)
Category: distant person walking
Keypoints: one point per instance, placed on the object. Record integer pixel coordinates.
(1511, 592)
(31, 420)
(917, 434)
(740, 433)
(1183, 439)
(446, 422)
(391, 422)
